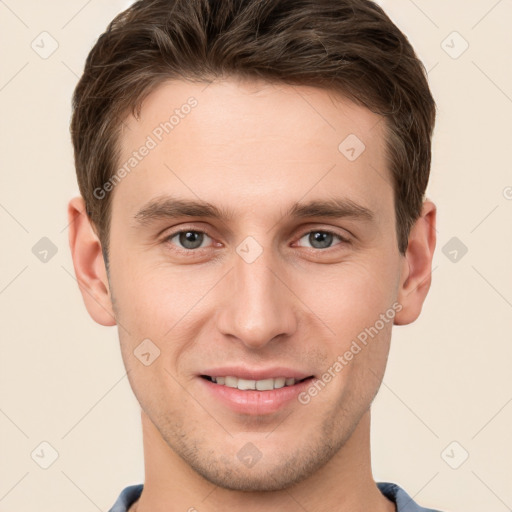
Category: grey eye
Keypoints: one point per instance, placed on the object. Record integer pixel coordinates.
(320, 239)
(189, 239)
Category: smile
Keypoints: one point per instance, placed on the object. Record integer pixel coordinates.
(259, 385)
(254, 397)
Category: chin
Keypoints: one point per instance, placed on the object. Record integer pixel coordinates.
(248, 481)
(274, 474)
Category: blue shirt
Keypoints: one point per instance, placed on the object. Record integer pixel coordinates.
(404, 503)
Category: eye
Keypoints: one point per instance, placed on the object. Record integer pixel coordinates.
(192, 239)
(322, 239)
(188, 239)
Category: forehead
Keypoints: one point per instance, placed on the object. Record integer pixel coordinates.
(251, 143)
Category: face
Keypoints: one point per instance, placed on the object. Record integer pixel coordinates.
(288, 259)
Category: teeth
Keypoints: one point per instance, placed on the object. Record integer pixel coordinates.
(265, 384)
(244, 384)
(279, 383)
(231, 382)
(260, 385)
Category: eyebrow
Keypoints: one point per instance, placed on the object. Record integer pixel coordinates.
(168, 207)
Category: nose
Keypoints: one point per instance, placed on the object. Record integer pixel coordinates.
(260, 306)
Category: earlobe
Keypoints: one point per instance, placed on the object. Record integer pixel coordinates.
(416, 276)
(88, 263)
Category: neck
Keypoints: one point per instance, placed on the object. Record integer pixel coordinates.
(345, 483)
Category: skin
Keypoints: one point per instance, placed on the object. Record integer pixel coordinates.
(255, 148)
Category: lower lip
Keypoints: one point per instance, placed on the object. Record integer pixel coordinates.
(254, 402)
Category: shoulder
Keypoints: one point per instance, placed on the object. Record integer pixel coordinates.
(127, 497)
(404, 503)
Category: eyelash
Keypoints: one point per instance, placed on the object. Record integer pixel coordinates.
(170, 236)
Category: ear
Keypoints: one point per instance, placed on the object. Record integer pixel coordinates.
(90, 270)
(415, 278)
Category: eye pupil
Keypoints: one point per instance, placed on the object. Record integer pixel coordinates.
(191, 239)
(324, 238)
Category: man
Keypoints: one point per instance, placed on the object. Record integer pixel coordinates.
(252, 218)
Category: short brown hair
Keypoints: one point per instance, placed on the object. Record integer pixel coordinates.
(347, 46)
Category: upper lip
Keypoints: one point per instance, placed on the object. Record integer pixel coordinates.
(243, 372)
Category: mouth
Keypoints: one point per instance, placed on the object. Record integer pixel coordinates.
(255, 385)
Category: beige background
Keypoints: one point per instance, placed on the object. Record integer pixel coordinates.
(448, 378)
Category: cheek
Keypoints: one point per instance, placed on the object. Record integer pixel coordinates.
(167, 306)
(347, 297)
(151, 299)
(340, 299)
